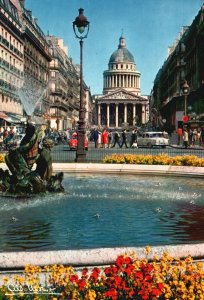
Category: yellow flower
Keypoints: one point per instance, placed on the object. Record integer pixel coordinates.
(147, 250)
(90, 295)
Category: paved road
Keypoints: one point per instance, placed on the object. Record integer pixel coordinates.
(62, 153)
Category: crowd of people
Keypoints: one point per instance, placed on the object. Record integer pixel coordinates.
(109, 139)
(190, 137)
(7, 136)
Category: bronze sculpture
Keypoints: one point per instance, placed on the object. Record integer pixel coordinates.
(23, 180)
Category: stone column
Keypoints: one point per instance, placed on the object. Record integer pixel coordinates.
(108, 115)
(99, 115)
(125, 112)
(134, 114)
(120, 81)
(146, 114)
(116, 115)
(143, 114)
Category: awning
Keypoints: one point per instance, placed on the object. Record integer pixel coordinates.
(14, 118)
(3, 115)
(10, 118)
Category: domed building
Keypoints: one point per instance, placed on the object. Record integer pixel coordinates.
(121, 104)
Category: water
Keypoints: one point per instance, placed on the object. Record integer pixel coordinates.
(106, 211)
(31, 94)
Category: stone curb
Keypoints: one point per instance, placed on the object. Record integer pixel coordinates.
(125, 169)
(128, 169)
(93, 257)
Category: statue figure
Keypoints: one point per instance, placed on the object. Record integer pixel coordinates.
(44, 161)
(20, 161)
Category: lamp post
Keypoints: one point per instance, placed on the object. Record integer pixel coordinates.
(185, 89)
(81, 29)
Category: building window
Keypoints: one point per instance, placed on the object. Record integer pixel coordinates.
(52, 86)
(53, 74)
(121, 66)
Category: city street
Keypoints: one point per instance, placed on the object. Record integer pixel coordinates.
(62, 153)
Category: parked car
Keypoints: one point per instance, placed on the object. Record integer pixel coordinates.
(151, 139)
(73, 142)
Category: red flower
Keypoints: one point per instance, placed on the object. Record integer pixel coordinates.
(139, 275)
(111, 271)
(128, 270)
(81, 284)
(74, 278)
(84, 272)
(112, 293)
(160, 286)
(108, 271)
(95, 273)
(121, 260)
(155, 292)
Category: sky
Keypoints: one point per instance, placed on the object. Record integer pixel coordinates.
(149, 27)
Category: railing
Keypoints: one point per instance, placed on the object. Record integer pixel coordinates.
(61, 153)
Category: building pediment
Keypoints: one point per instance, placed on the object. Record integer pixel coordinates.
(119, 95)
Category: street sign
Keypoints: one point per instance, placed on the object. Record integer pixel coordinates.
(185, 118)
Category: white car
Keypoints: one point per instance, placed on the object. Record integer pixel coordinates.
(151, 139)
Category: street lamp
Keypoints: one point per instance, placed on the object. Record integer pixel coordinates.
(185, 89)
(81, 29)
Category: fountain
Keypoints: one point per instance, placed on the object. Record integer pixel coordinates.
(22, 179)
(106, 212)
(31, 95)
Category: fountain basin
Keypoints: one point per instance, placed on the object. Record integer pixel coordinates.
(106, 211)
(105, 254)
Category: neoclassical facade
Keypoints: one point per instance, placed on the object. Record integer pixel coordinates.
(121, 104)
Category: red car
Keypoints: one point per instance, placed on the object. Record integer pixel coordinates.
(73, 142)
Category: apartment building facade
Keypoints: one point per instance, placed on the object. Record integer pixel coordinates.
(63, 86)
(184, 63)
(11, 63)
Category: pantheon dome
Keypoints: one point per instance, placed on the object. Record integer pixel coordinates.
(122, 54)
(121, 71)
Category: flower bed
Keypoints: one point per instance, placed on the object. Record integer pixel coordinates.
(2, 158)
(162, 159)
(128, 278)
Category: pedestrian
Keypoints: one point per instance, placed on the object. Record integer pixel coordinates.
(133, 141)
(5, 133)
(185, 138)
(190, 137)
(194, 138)
(116, 139)
(110, 138)
(95, 137)
(179, 134)
(99, 139)
(68, 134)
(104, 138)
(199, 137)
(124, 139)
